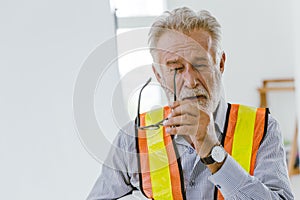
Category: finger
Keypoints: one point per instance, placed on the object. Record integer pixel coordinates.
(181, 120)
(187, 108)
(180, 130)
(186, 130)
(178, 103)
(196, 104)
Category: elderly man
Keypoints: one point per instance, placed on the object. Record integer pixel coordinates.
(197, 147)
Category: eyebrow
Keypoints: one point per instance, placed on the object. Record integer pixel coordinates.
(171, 61)
(200, 59)
(194, 60)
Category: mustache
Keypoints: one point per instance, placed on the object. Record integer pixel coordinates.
(193, 93)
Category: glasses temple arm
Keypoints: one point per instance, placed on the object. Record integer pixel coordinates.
(175, 97)
(139, 102)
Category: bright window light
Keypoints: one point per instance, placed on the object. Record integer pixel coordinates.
(134, 8)
(135, 68)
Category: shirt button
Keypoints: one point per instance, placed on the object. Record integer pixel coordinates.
(191, 150)
(218, 186)
(192, 183)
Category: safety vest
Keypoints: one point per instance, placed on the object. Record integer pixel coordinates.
(159, 164)
(245, 128)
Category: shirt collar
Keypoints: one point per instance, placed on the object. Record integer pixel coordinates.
(220, 115)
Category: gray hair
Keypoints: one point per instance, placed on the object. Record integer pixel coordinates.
(185, 20)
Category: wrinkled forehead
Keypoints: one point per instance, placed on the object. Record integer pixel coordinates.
(195, 45)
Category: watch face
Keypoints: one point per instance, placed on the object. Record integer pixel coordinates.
(218, 154)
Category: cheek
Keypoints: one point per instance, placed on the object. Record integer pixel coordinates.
(209, 80)
(167, 79)
(214, 83)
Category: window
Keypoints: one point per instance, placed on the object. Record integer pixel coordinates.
(135, 65)
(135, 8)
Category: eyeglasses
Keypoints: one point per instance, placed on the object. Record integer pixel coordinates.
(160, 123)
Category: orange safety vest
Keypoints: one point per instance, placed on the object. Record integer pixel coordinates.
(245, 128)
(159, 164)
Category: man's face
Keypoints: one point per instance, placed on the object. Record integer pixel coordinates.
(198, 78)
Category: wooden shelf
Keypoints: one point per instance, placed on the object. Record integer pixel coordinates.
(263, 103)
(269, 89)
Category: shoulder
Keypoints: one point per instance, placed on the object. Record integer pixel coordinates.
(272, 128)
(126, 138)
(273, 131)
(122, 153)
(272, 122)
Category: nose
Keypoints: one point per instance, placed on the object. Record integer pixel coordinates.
(191, 77)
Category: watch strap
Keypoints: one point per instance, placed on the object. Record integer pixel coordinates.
(207, 160)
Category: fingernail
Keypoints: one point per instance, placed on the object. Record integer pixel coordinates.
(165, 122)
(168, 130)
(169, 115)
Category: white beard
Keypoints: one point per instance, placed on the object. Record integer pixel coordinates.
(206, 102)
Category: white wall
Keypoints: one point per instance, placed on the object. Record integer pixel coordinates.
(42, 46)
(296, 19)
(257, 38)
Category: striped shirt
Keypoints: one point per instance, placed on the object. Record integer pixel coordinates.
(120, 176)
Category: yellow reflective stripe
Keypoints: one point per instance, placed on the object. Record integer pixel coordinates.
(158, 158)
(243, 136)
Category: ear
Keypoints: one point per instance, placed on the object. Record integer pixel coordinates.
(222, 62)
(157, 75)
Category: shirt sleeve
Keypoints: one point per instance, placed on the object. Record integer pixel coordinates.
(270, 180)
(114, 180)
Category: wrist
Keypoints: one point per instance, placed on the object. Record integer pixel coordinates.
(217, 155)
(216, 166)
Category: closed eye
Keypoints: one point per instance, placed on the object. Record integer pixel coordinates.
(199, 65)
(178, 68)
(174, 65)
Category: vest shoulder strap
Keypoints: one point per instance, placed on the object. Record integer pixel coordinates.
(159, 164)
(244, 131)
(246, 127)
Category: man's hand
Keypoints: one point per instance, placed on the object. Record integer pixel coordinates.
(197, 125)
(188, 119)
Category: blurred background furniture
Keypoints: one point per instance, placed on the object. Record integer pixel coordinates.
(282, 85)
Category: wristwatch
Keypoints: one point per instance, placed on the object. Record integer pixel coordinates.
(217, 155)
